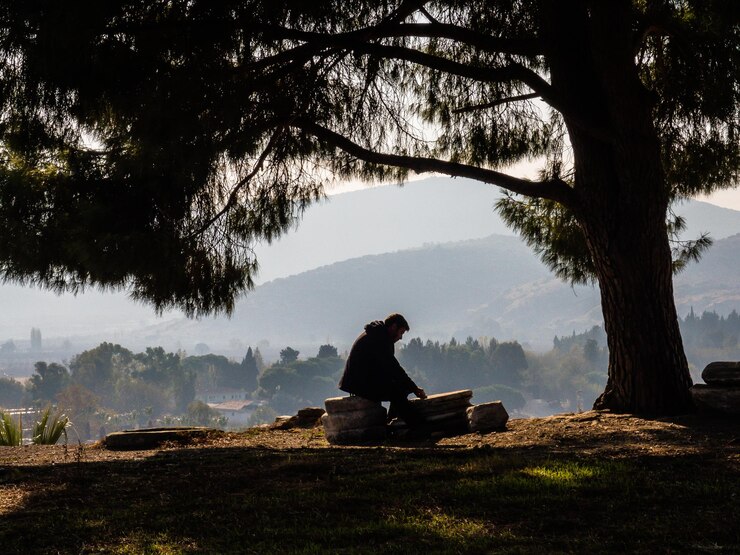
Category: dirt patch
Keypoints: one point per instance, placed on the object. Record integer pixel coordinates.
(588, 433)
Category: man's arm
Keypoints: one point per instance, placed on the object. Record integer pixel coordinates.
(399, 375)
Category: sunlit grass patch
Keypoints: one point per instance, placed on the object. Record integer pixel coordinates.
(442, 524)
(550, 479)
(145, 543)
(575, 474)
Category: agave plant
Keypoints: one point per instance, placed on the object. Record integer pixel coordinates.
(50, 428)
(11, 434)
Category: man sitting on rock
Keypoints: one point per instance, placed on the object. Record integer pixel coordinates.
(372, 371)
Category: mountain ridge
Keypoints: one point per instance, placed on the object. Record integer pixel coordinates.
(493, 286)
(426, 214)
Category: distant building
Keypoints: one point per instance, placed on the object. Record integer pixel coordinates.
(238, 412)
(223, 394)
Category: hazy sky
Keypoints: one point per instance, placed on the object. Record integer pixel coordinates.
(729, 198)
(113, 314)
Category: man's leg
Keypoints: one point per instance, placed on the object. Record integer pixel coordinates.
(402, 408)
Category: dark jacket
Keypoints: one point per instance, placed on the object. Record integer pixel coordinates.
(372, 370)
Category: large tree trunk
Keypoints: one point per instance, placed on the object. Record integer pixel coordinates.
(622, 202)
(628, 242)
(648, 371)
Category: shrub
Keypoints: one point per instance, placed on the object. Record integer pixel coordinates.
(11, 434)
(50, 428)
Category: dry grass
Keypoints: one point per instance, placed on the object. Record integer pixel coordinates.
(594, 482)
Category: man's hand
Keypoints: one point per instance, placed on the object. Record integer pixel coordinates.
(420, 393)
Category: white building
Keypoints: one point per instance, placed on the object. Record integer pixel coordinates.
(238, 411)
(222, 395)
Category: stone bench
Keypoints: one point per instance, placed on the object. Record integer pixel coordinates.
(356, 420)
(445, 413)
(353, 420)
(721, 393)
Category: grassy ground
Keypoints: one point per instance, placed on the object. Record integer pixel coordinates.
(424, 498)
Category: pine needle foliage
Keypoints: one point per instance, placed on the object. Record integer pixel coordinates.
(151, 146)
(554, 234)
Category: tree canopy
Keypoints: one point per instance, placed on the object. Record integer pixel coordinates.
(149, 145)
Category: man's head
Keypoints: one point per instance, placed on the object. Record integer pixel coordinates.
(396, 326)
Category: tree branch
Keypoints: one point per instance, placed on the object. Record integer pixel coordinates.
(555, 189)
(356, 41)
(242, 182)
(495, 103)
(524, 46)
(512, 72)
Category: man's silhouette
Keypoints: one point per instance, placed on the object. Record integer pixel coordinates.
(372, 371)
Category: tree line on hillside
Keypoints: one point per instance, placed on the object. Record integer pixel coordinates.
(291, 383)
(505, 371)
(494, 370)
(710, 337)
(111, 385)
(707, 337)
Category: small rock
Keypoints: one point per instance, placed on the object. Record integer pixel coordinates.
(310, 412)
(284, 422)
(722, 373)
(487, 416)
(308, 417)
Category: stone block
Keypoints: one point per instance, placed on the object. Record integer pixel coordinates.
(443, 402)
(446, 416)
(150, 438)
(357, 419)
(356, 435)
(464, 394)
(441, 408)
(722, 373)
(487, 416)
(346, 404)
(310, 412)
(713, 398)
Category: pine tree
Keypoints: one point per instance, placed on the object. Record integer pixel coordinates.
(150, 145)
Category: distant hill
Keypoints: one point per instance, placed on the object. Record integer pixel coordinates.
(713, 283)
(453, 265)
(493, 286)
(386, 219)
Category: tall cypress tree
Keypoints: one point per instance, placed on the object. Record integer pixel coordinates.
(249, 370)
